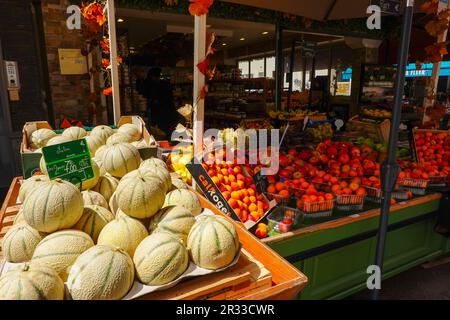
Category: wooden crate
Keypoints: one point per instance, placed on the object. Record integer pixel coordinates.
(260, 273)
(414, 147)
(374, 130)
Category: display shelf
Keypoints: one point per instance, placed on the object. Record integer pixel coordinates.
(260, 273)
(350, 241)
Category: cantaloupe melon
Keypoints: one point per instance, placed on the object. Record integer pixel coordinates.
(175, 220)
(102, 132)
(213, 242)
(74, 133)
(99, 164)
(43, 166)
(19, 243)
(121, 158)
(184, 198)
(154, 163)
(131, 130)
(93, 220)
(30, 184)
(161, 173)
(123, 232)
(31, 282)
(160, 258)
(89, 184)
(57, 140)
(101, 273)
(106, 186)
(54, 205)
(94, 143)
(140, 196)
(91, 198)
(118, 138)
(19, 218)
(100, 152)
(178, 184)
(59, 250)
(40, 137)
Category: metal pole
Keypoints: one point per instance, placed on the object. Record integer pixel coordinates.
(278, 65)
(390, 168)
(113, 60)
(199, 82)
(311, 80)
(291, 74)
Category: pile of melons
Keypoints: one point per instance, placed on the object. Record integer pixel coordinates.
(66, 236)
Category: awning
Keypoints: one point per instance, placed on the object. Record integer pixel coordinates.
(317, 9)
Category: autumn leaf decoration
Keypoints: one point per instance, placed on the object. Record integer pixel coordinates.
(95, 33)
(199, 7)
(437, 24)
(430, 7)
(435, 52)
(204, 65)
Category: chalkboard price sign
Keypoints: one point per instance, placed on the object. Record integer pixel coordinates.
(70, 161)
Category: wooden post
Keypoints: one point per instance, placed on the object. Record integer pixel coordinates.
(433, 84)
(199, 82)
(113, 60)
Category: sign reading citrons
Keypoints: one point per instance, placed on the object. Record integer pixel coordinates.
(70, 161)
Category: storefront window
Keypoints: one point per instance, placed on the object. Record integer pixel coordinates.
(296, 81)
(244, 67)
(257, 68)
(270, 67)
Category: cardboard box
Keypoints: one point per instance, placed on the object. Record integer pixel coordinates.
(145, 152)
(30, 159)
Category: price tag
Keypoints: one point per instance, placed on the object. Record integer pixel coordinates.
(70, 161)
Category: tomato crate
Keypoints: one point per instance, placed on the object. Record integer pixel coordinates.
(283, 219)
(318, 208)
(349, 202)
(414, 183)
(376, 195)
(439, 181)
(281, 200)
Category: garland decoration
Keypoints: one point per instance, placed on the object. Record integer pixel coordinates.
(200, 8)
(95, 33)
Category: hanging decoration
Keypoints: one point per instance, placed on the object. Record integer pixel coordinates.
(199, 8)
(436, 26)
(95, 33)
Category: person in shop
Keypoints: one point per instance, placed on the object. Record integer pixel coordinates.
(161, 109)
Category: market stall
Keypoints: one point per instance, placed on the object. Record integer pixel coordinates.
(321, 209)
(65, 214)
(335, 255)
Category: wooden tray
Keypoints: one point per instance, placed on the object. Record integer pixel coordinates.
(374, 130)
(266, 277)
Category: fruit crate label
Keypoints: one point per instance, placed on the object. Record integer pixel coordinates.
(210, 189)
(70, 161)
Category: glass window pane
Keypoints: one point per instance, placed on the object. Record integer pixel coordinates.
(270, 67)
(257, 68)
(243, 66)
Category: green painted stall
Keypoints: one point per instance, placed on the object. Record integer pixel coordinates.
(335, 254)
